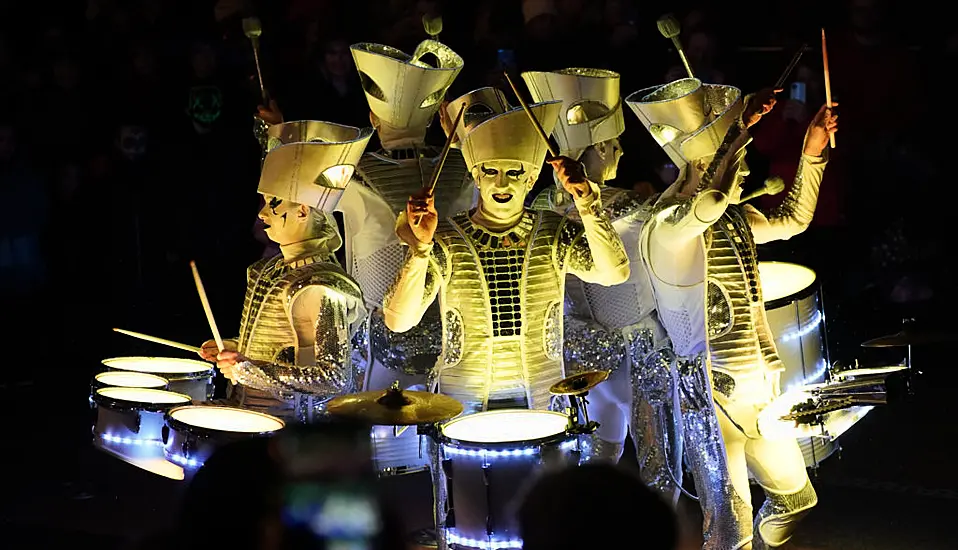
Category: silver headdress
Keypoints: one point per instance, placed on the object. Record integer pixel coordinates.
(592, 106)
(403, 90)
(491, 129)
(687, 118)
(310, 162)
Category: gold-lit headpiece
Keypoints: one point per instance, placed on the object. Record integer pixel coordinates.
(687, 118)
(492, 129)
(591, 109)
(403, 90)
(310, 162)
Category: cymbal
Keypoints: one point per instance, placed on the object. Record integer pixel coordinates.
(395, 407)
(579, 383)
(909, 337)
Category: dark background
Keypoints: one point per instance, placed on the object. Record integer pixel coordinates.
(126, 150)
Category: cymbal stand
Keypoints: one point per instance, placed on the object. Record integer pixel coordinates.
(579, 415)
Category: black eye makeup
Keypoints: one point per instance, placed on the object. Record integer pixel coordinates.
(273, 203)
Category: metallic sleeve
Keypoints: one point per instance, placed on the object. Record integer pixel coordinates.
(416, 286)
(320, 366)
(795, 213)
(597, 254)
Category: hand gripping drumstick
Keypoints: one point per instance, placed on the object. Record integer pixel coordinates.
(532, 117)
(156, 340)
(206, 306)
(442, 157)
(828, 85)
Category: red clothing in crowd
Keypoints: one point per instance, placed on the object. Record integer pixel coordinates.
(780, 140)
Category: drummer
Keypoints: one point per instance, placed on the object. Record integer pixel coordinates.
(499, 269)
(700, 249)
(292, 353)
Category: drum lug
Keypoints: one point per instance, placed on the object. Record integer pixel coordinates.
(450, 520)
(490, 520)
(165, 434)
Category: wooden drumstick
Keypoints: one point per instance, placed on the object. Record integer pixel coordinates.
(253, 29)
(532, 117)
(442, 157)
(206, 306)
(156, 340)
(828, 84)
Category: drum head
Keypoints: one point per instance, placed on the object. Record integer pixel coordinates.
(506, 426)
(159, 365)
(783, 280)
(139, 398)
(226, 419)
(127, 379)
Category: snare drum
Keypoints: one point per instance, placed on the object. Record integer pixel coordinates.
(131, 420)
(488, 459)
(126, 379)
(193, 433)
(397, 455)
(194, 378)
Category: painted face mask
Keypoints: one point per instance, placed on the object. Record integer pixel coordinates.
(205, 105)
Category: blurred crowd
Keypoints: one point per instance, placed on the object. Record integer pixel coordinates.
(128, 150)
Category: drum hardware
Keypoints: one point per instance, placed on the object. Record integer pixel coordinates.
(576, 388)
(395, 407)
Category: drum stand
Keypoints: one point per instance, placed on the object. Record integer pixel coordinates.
(579, 415)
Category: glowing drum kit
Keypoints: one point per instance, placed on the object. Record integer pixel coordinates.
(486, 459)
(149, 412)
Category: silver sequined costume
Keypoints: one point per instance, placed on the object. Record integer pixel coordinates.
(282, 377)
(701, 253)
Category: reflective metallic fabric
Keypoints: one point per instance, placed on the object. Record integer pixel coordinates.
(269, 340)
(779, 515)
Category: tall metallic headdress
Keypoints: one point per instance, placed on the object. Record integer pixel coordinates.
(310, 162)
(492, 129)
(403, 90)
(591, 110)
(687, 118)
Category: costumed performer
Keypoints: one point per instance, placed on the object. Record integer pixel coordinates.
(700, 246)
(292, 354)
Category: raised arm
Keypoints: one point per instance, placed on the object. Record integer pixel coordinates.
(795, 213)
(419, 278)
(596, 255)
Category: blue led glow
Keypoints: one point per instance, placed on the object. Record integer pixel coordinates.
(813, 324)
(810, 379)
(110, 438)
(492, 544)
(502, 453)
(183, 461)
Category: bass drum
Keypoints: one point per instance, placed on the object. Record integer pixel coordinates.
(796, 317)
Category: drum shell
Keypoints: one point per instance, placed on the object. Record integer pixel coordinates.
(191, 446)
(198, 384)
(96, 384)
(485, 488)
(797, 323)
(400, 455)
(131, 427)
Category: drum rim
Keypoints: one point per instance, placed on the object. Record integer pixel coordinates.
(812, 288)
(171, 376)
(127, 404)
(844, 373)
(203, 432)
(500, 445)
(96, 384)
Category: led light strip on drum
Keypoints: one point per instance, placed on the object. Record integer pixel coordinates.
(453, 538)
(816, 320)
(131, 441)
(810, 379)
(503, 453)
(183, 461)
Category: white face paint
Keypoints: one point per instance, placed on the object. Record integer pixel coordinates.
(741, 171)
(503, 186)
(602, 160)
(285, 222)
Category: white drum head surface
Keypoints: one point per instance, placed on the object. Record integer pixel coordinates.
(227, 419)
(157, 365)
(507, 426)
(143, 395)
(129, 379)
(782, 279)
